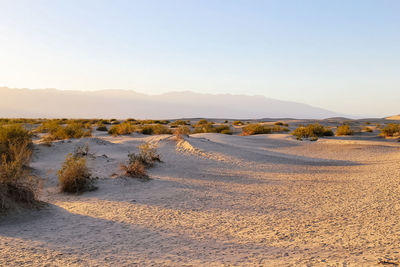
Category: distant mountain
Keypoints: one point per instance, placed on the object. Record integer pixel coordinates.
(124, 103)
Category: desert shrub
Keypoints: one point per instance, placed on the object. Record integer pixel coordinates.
(279, 128)
(122, 129)
(368, 130)
(226, 121)
(71, 130)
(49, 126)
(223, 129)
(134, 169)
(392, 129)
(17, 186)
(237, 123)
(11, 135)
(181, 131)
(102, 128)
(179, 123)
(202, 121)
(137, 163)
(312, 131)
(74, 176)
(344, 130)
(154, 129)
(279, 123)
(256, 128)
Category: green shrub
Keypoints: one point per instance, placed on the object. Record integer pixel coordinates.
(344, 130)
(155, 129)
(74, 176)
(256, 128)
(312, 131)
(122, 129)
(392, 129)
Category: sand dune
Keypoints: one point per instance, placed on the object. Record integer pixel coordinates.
(217, 200)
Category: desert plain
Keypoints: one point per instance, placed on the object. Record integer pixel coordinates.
(216, 200)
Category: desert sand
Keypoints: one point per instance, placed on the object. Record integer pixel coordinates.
(265, 200)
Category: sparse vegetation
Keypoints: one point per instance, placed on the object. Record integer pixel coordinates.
(237, 123)
(311, 131)
(390, 130)
(154, 129)
(102, 128)
(181, 131)
(368, 130)
(74, 175)
(17, 186)
(73, 129)
(256, 128)
(122, 129)
(137, 163)
(344, 130)
(178, 123)
(279, 123)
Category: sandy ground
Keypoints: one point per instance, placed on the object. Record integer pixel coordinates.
(265, 200)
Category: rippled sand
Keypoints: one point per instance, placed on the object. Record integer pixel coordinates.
(218, 200)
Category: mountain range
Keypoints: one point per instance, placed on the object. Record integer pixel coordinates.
(114, 103)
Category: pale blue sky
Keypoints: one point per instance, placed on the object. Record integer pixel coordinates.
(339, 55)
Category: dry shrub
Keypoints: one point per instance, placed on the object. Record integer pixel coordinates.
(344, 130)
(181, 132)
(312, 131)
(17, 185)
(125, 128)
(256, 128)
(368, 130)
(137, 163)
(237, 123)
(73, 129)
(74, 175)
(134, 169)
(392, 129)
(155, 129)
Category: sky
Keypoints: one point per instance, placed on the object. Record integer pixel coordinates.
(340, 55)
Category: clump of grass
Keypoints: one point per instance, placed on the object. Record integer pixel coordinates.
(256, 128)
(17, 186)
(344, 130)
(311, 131)
(137, 163)
(74, 175)
(122, 129)
(390, 130)
(155, 129)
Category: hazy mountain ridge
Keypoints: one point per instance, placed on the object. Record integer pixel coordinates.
(125, 103)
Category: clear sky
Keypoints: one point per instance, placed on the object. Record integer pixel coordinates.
(340, 55)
